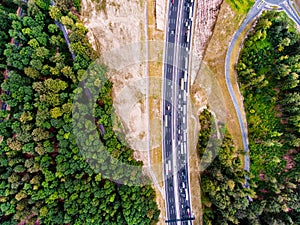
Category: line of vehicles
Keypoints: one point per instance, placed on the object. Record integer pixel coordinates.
(189, 20)
(175, 144)
(184, 79)
(181, 148)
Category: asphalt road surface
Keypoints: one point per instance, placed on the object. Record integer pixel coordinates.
(175, 154)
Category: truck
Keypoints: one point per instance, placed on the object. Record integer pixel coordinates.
(184, 96)
(186, 195)
(185, 76)
(186, 61)
(187, 38)
(191, 12)
(181, 84)
(167, 169)
(166, 120)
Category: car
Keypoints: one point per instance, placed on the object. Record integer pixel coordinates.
(183, 174)
(183, 185)
(188, 211)
(182, 200)
(168, 107)
(172, 32)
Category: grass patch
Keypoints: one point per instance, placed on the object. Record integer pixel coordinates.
(241, 6)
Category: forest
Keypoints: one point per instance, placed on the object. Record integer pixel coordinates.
(45, 177)
(268, 73)
(225, 200)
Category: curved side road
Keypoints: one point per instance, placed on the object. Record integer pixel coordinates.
(255, 11)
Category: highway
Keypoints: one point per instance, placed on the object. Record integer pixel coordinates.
(171, 211)
(175, 89)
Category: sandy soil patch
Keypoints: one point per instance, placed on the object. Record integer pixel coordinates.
(206, 15)
(160, 9)
(228, 21)
(112, 30)
(156, 25)
(116, 31)
(120, 23)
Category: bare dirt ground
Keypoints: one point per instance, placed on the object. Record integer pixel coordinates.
(206, 15)
(228, 21)
(120, 23)
(116, 31)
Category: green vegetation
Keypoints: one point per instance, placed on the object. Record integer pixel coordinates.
(268, 72)
(224, 197)
(44, 178)
(67, 5)
(241, 6)
(206, 146)
(4, 27)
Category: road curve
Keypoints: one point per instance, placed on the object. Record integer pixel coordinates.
(255, 11)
